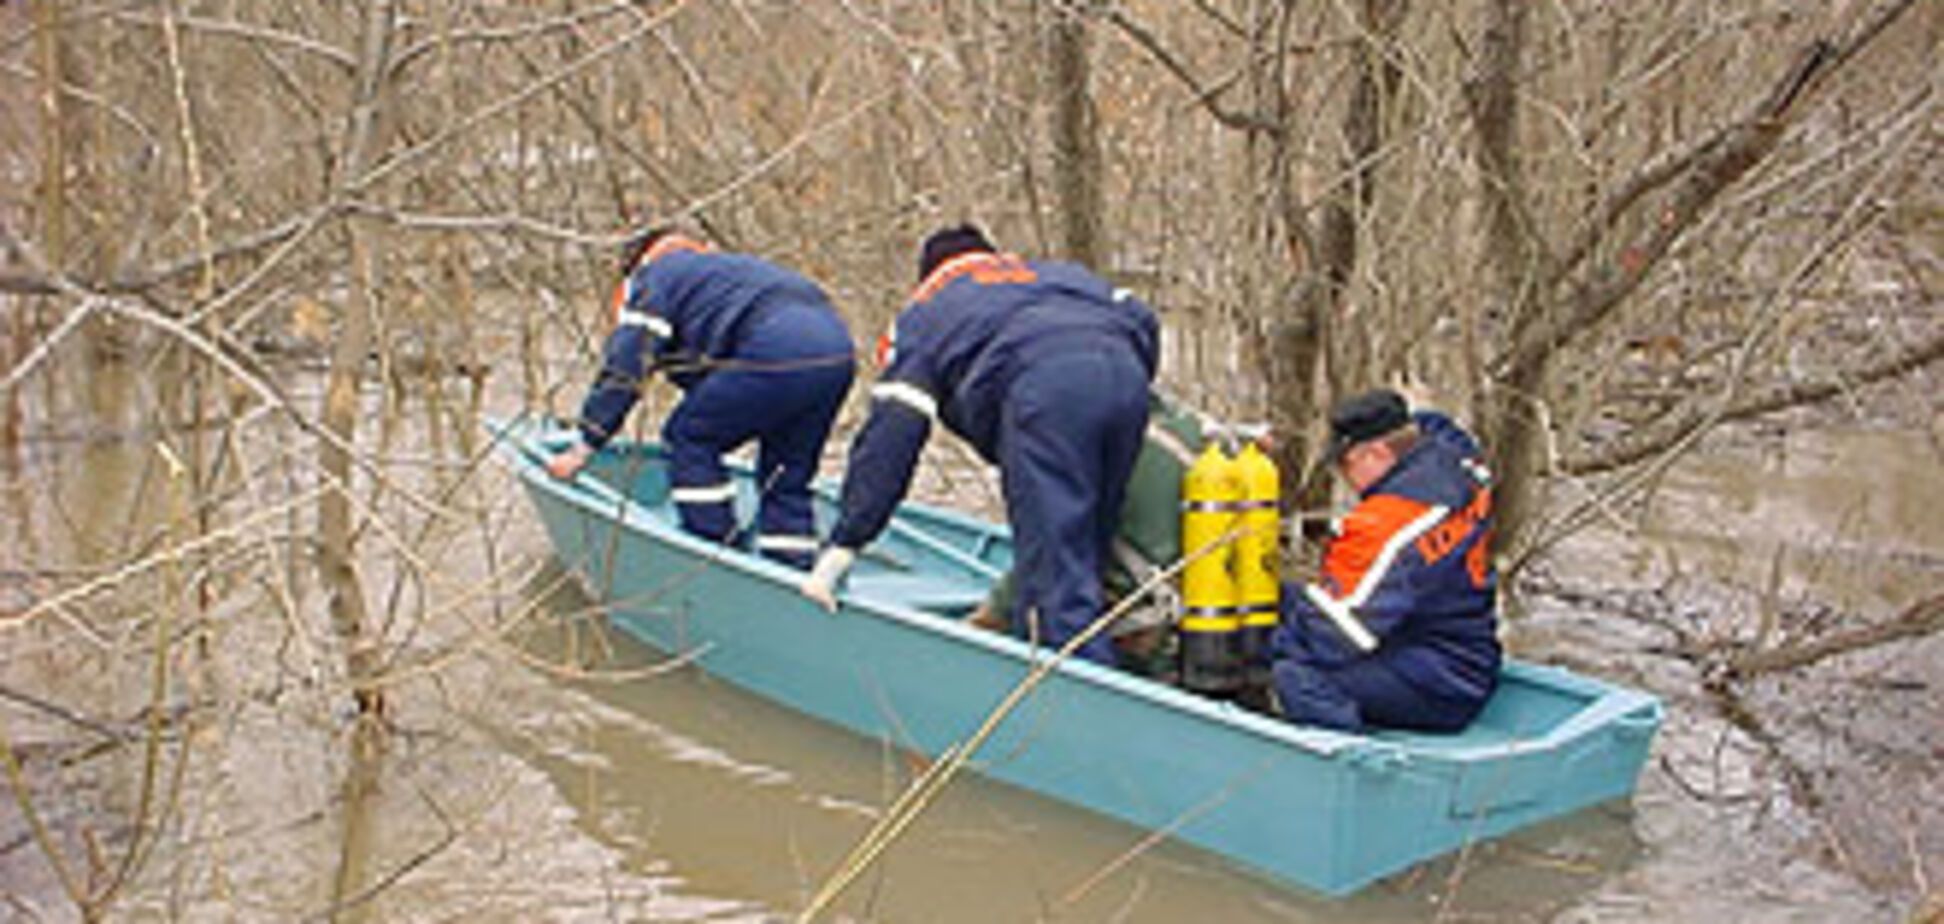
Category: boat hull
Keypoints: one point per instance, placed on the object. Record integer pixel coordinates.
(1323, 810)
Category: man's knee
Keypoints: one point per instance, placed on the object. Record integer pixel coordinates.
(1308, 696)
(1427, 714)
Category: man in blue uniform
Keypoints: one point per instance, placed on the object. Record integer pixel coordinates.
(1400, 630)
(1044, 369)
(759, 353)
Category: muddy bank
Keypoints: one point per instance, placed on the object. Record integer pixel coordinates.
(1761, 590)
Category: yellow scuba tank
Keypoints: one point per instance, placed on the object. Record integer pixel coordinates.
(1210, 619)
(1257, 555)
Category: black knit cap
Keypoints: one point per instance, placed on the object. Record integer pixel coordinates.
(946, 243)
(1363, 417)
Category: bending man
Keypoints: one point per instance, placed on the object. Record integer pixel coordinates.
(759, 353)
(1044, 369)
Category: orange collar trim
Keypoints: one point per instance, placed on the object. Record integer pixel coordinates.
(671, 243)
(943, 274)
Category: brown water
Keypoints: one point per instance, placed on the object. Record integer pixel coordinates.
(1853, 517)
(744, 799)
(532, 777)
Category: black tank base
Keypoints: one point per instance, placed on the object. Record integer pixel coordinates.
(1211, 664)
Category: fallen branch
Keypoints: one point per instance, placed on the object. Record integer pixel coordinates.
(63, 713)
(1735, 710)
(1923, 618)
(1649, 441)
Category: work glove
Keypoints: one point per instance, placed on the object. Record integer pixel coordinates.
(821, 585)
(568, 462)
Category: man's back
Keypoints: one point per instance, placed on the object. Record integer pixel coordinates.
(973, 323)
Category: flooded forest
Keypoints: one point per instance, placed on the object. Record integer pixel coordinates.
(281, 640)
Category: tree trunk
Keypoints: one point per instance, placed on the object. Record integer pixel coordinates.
(53, 173)
(1298, 336)
(1513, 426)
(336, 552)
(1311, 344)
(1076, 143)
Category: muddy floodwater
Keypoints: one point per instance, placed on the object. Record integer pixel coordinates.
(543, 768)
(750, 804)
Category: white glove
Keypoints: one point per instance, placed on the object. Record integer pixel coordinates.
(821, 585)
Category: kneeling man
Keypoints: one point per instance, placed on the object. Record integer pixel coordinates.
(1399, 630)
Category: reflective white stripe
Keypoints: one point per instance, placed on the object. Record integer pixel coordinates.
(1121, 295)
(909, 395)
(1477, 470)
(657, 326)
(787, 543)
(1346, 621)
(706, 494)
(1343, 612)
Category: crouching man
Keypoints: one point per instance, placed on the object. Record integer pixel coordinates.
(1400, 629)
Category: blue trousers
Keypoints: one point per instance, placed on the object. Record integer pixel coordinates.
(782, 387)
(1362, 694)
(1072, 427)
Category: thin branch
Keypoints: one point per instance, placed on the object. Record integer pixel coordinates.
(172, 554)
(1734, 708)
(1718, 163)
(511, 223)
(45, 348)
(446, 135)
(1222, 19)
(1727, 395)
(570, 22)
(216, 346)
(920, 794)
(1206, 96)
(63, 713)
(253, 32)
(783, 153)
(35, 280)
(37, 826)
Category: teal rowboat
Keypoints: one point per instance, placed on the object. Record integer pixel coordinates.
(1323, 810)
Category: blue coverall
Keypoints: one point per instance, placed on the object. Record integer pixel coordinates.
(1412, 564)
(759, 353)
(1044, 369)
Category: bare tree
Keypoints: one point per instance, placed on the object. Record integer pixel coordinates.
(274, 238)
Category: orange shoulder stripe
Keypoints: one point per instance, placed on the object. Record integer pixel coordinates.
(984, 266)
(1367, 530)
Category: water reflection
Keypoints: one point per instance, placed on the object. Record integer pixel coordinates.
(738, 798)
